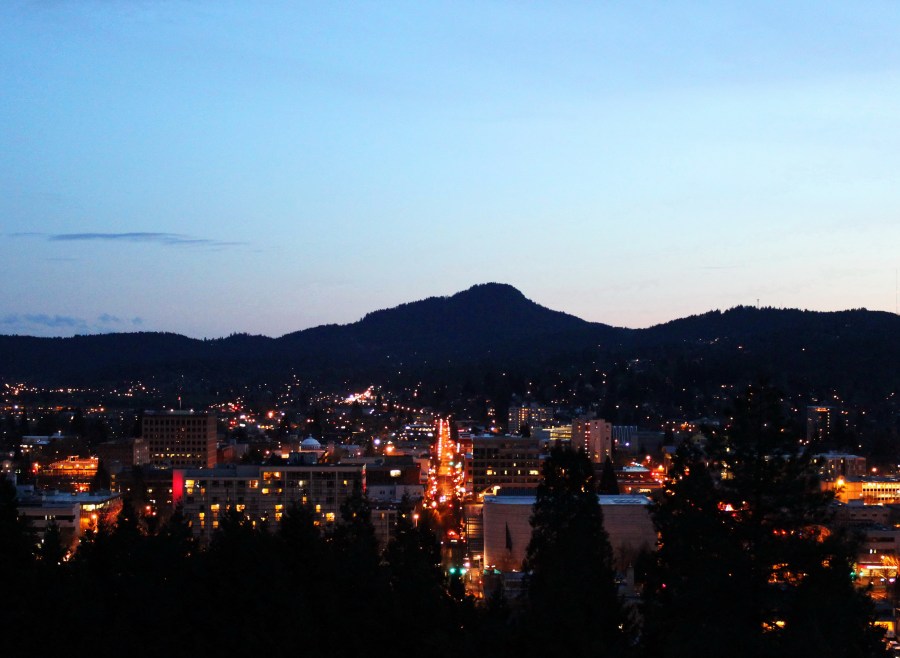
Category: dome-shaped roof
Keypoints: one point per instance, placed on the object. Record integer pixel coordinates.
(311, 443)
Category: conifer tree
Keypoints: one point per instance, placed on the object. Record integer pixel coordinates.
(747, 564)
(572, 607)
(52, 551)
(609, 485)
(413, 559)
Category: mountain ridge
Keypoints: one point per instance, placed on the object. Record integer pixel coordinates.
(488, 325)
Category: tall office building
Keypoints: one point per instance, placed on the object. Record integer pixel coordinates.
(594, 436)
(180, 439)
(533, 416)
(820, 422)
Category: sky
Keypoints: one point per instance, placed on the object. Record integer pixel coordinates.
(211, 167)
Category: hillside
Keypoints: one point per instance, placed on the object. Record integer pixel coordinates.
(493, 326)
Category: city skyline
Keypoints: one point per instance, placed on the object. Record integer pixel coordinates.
(219, 167)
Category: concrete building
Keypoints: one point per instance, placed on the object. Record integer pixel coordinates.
(635, 480)
(73, 513)
(505, 461)
(507, 529)
(870, 490)
(180, 439)
(532, 415)
(393, 479)
(821, 422)
(554, 435)
(263, 493)
(71, 474)
(594, 436)
(856, 513)
(833, 465)
(117, 455)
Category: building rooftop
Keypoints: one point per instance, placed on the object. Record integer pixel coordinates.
(625, 499)
(176, 412)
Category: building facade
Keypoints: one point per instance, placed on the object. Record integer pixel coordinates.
(180, 439)
(507, 529)
(533, 416)
(505, 461)
(263, 493)
(594, 436)
(833, 465)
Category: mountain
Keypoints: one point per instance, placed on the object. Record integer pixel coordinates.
(492, 321)
(493, 327)
(486, 321)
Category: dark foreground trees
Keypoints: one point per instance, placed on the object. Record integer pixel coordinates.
(747, 565)
(572, 606)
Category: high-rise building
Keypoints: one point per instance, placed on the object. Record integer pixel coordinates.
(180, 439)
(594, 436)
(532, 415)
(820, 423)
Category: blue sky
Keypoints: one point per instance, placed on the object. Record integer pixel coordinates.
(213, 167)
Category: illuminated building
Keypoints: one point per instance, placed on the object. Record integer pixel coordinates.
(32, 444)
(555, 435)
(833, 465)
(533, 416)
(635, 480)
(263, 493)
(869, 490)
(820, 422)
(417, 432)
(504, 461)
(180, 439)
(473, 519)
(594, 436)
(392, 480)
(70, 474)
(877, 561)
(73, 513)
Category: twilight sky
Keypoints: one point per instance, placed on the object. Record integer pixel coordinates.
(207, 167)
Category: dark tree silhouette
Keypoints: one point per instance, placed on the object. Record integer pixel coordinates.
(573, 607)
(746, 565)
(608, 483)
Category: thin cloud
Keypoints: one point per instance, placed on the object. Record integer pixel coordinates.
(43, 320)
(165, 239)
(44, 324)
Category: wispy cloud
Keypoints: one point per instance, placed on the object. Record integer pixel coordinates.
(43, 324)
(43, 320)
(165, 239)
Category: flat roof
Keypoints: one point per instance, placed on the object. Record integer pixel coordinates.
(176, 412)
(623, 499)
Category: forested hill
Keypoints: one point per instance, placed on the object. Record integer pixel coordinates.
(490, 326)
